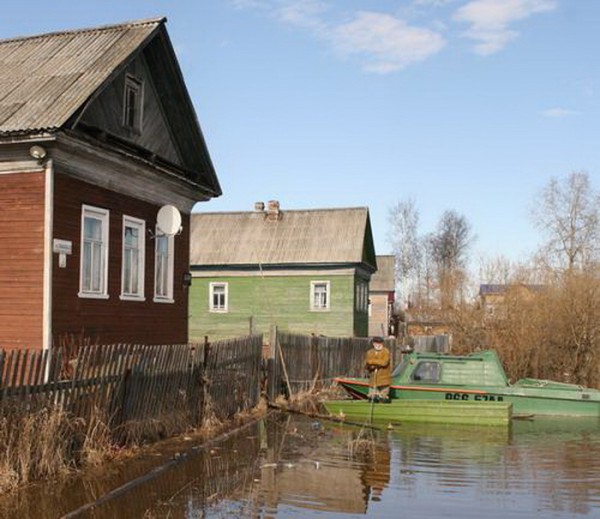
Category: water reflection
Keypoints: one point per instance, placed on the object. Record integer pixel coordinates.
(290, 466)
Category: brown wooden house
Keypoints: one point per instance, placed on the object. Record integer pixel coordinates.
(382, 296)
(97, 133)
(493, 297)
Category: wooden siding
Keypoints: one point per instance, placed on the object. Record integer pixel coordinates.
(106, 113)
(113, 320)
(379, 320)
(21, 259)
(284, 301)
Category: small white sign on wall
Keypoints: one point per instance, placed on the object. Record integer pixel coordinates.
(62, 248)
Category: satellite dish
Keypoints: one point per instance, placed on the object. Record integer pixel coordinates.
(168, 220)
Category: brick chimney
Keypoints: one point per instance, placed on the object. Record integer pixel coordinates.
(273, 212)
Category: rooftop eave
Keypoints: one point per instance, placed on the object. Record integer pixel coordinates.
(278, 266)
(143, 157)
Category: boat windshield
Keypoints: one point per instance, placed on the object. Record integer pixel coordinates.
(399, 369)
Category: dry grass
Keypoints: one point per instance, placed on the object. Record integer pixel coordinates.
(551, 333)
(48, 442)
(98, 444)
(35, 445)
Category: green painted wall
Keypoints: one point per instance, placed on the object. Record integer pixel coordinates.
(284, 301)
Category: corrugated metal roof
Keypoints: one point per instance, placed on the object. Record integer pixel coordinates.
(383, 279)
(44, 79)
(301, 236)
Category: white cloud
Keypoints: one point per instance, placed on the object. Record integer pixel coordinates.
(489, 20)
(303, 13)
(558, 113)
(432, 3)
(250, 4)
(386, 43)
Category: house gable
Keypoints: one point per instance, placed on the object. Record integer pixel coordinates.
(368, 256)
(107, 112)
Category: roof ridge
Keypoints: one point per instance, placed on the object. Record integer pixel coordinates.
(99, 28)
(283, 210)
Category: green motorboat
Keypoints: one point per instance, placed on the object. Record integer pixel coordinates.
(479, 377)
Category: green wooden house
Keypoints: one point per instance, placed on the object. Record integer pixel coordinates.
(306, 271)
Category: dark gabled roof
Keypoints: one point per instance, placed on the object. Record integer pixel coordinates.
(383, 280)
(47, 81)
(297, 237)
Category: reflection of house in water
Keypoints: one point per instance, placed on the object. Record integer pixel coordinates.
(312, 471)
(325, 488)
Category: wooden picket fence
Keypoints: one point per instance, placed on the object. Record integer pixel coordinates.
(307, 362)
(137, 383)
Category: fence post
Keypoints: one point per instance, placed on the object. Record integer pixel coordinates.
(123, 415)
(315, 364)
(206, 350)
(272, 385)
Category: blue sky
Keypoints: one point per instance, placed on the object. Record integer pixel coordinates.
(470, 105)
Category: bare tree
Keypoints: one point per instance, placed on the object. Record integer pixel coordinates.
(568, 213)
(450, 244)
(495, 270)
(404, 222)
(423, 295)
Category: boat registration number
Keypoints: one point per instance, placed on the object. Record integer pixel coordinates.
(477, 398)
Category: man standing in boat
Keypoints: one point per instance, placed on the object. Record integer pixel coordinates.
(377, 363)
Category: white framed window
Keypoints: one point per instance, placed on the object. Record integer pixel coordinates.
(133, 103)
(319, 295)
(163, 268)
(133, 258)
(218, 297)
(93, 269)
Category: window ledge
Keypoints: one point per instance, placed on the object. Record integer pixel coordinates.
(213, 311)
(125, 297)
(89, 295)
(166, 300)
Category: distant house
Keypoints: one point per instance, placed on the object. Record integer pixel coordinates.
(492, 297)
(97, 133)
(306, 271)
(382, 291)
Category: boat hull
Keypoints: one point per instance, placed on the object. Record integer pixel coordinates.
(525, 400)
(423, 411)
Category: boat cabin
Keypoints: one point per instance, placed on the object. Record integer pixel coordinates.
(480, 369)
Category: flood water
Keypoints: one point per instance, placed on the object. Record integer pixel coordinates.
(289, 466)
